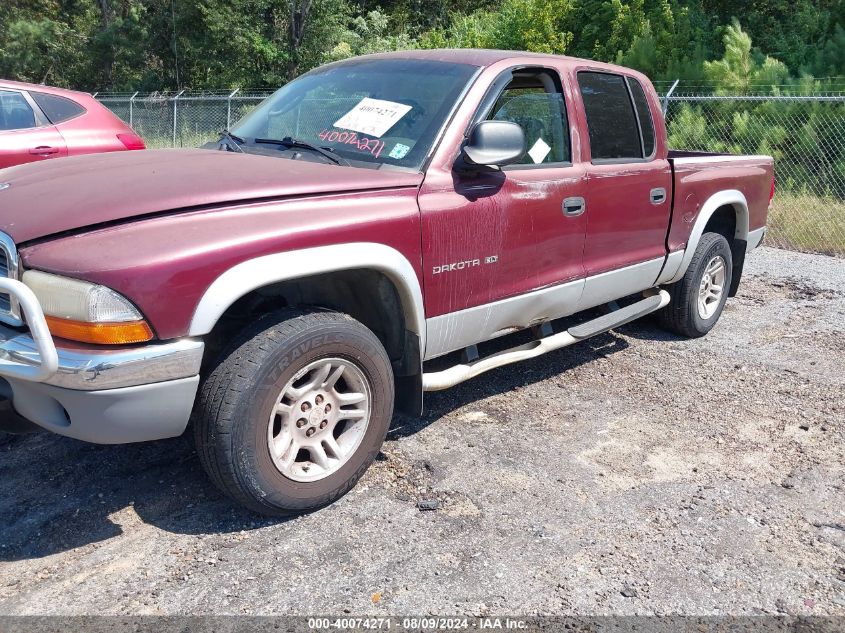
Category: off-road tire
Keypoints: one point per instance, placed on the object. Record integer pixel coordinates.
(235, 400)
(681, 316)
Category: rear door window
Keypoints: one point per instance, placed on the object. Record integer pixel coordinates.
(644, 116)
(55, 108)
(15, 113)
(612, 122)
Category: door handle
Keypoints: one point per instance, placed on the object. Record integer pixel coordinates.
(658, 196)
(573, 207)
(44, 150)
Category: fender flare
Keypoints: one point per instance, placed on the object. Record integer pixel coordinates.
(729, 197)
(269, 269)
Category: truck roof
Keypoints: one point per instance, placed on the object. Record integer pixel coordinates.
(483, 57)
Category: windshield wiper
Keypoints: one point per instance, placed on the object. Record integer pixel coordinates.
(293, 143)
(233, 141)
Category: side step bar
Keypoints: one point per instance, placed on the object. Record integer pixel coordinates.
(464, 371)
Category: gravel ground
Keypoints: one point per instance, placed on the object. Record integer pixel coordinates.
(635, 473)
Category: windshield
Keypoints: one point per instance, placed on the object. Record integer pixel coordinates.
(374, 112)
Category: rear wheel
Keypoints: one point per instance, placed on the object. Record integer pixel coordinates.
(699, 297)
(295, 411)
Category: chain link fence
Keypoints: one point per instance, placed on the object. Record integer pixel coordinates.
(805, 134)
(183, 119)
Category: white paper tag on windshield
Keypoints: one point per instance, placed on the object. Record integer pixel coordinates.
(372, 116)
(539, 151)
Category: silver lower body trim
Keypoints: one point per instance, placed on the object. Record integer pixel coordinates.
(670, 268)
(615, 284)
(457, 330)
(755, 238)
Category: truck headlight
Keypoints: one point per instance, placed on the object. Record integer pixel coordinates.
(86, 312)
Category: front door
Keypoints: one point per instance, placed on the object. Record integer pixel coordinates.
(492, 237)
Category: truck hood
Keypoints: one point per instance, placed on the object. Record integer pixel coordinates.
(68, 194)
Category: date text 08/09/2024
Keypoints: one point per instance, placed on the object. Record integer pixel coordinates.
(417, 624)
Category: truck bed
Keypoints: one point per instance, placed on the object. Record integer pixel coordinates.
(699, 175)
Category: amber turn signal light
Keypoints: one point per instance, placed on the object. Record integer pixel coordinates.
(101, 333)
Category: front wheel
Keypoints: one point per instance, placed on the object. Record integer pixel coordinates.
(295, 411)
(699, 297)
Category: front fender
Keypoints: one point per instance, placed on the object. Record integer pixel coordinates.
(262, 271)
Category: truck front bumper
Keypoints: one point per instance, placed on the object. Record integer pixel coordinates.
(97, 394)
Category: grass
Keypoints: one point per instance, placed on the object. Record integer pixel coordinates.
(804, 222)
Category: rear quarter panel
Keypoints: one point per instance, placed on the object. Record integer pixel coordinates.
(698, 178)
(94, 131)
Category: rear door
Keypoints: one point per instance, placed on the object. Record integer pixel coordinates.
(628, 188)
(25, 133)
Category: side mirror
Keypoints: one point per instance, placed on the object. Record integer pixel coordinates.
(494, 144)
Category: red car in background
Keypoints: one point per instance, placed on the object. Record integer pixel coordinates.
(37, 122)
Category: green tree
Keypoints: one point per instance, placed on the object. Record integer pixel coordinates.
(252, 43)
(532, 25)
(370, 34)
(415, 17)
(30, 49)
(830, 58)
(117, 45)
(660, 45)
(529, 25)
(738, 72)
(155, 44)
(790, 30)
(463, 31)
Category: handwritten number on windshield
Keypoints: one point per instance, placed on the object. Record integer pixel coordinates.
(372, 145)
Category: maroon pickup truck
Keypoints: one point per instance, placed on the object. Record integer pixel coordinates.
(285, 288)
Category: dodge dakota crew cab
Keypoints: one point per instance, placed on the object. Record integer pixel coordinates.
(284, 289)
